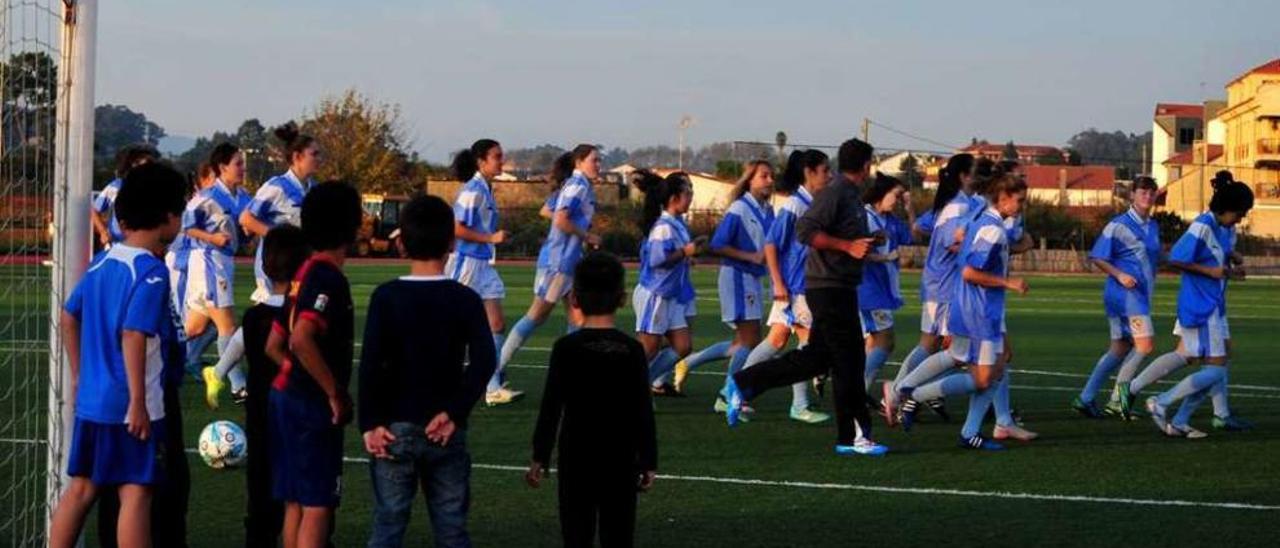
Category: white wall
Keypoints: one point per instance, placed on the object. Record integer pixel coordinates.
(1160, 151)
(1217, 133)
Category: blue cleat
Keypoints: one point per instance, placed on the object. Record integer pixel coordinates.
(733, 397)
(980, 443)
(863, 447)
(1231, 423)
(907, 414)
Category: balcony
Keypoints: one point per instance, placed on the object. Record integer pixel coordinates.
(1267, 153)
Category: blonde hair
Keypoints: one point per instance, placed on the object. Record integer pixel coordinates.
(749, 170)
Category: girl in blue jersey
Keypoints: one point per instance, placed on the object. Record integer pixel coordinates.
(102, 209)
(475, 214)
(178, 255)
(977, 313)
(210, 224)
(664, 298)
(1128, 252)
(575, 205)
(807, 172)
(879, 295)
(279, 200)
(561, 169)
(1203, 254)
(952, 205)
(739, 240)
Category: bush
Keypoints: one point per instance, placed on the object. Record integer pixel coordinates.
(1045, 221)
(1171, 226)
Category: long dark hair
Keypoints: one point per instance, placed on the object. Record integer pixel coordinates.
(467, 161)
(748, 173)
(882, 185)
(561, 169)
(949, 179)
(580, 153)
(221, 155)
(294, 142)
(793, 174)
(658, 192)
(1231, 196)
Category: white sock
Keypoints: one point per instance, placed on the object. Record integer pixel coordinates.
(1158, 369)
(937, 364)
(799, 396)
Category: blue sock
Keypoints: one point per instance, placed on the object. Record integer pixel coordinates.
(949, 385)
(1201, 380)
(1219, 394)
(763, 351)
(978, 404)
(662, 363)
(521, 332)
(717, 351)
(1188, 408)
(196, 347)
(913, 359)
(875, 360)
(495, 382)
(1001, 401)
(1106, 364)
(736, 363)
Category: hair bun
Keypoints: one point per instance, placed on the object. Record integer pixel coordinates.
(287, 132)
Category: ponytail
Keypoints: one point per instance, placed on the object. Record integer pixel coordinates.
(797, 163)
(467, 161)
(949, 179)
(561, 169)
(295, 143)
(658, 192)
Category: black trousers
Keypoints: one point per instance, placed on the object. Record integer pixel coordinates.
(592, 498)
(169, 498)
(264, 515)
(835, 345)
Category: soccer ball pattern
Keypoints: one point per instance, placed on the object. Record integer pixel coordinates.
(222, 445)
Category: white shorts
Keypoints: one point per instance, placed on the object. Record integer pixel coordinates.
(874, 321)
(976, 351)
(793, 313)
(933, 318)
(1129, 327)
(1205, 341)
(740, 295)
(209, 277)
(552, 285)
(177, 284)
(658, 315)
(477, 274)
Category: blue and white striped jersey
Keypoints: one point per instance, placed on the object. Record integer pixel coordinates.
(1206, 243)
(1132, 245)
(782, 235)
(940, 268)
(661, 272)
(562, 251)
(476, 209)
(880, 289)
(977, 312)
(743, 227)
(216, 211)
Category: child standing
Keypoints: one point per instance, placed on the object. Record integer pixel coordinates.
(119, 315)
(604, 457)
(312, 341)
(416, 387)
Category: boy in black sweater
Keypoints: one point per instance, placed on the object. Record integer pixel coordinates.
(284, 249)
(605, 458)
(415, 392)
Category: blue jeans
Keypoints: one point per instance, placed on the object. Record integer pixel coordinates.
(445, 476)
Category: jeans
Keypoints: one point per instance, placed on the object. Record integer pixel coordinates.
(445, 476)
(835, 345)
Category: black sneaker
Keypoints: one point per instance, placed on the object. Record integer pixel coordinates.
(907, 414)
(240, 396)
(666, 390)
(939, 408)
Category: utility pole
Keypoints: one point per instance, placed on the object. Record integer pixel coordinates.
(866, 130)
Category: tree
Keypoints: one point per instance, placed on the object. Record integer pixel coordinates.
(1116, 148)
(254, 143)
(362, 142)
(536, 161)
(30, 92)
(911, 175)
(1010, 151)
(115, 127)
(728, 169)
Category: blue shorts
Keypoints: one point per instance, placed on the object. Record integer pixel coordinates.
(551, 285)
(657, 315)
(306, 452)
(108, 455)
(477, 274)
(740, 296)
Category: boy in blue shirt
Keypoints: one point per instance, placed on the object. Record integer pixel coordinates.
(312, 341)
(121, 340)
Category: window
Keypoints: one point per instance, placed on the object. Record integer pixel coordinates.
(1186, 136)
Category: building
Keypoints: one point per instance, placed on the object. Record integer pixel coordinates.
(892, 164)
(1071, 186)
(1175, 128)
(1027, 154)
(1243, 137)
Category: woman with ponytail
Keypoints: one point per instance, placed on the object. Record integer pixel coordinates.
(880, 294)
(739, 241)
(561, 169)
(575, 205)
(664, 296)
(807, 172)
(475, 225)
(279, 200)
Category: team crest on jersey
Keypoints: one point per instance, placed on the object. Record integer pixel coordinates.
(222, 285)
(1135, 324)
(322, 301)
(882, 316)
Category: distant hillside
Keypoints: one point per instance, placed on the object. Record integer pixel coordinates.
(175, 144)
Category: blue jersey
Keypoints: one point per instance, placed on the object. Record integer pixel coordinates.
(476, 209)
(661, 272)
(279, 200)
(940, 268)
(562, 251)
(105, 204)
(924, 223)
(743, 227)
(1132, 245)
(977, 312)
(879, 289)
(897, 230)
(1016, 227)
(792, 253)
(1205, 243)
(217, 211)
(125, 289)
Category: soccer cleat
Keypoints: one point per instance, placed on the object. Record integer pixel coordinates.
(1231, 423)
(1186, 431)
(1013, 432)
(666, 390)
(212, 386)
(1113, 409)
(888, 405)
(820, 386)
(502, 396)
(907, 414)
(863, 447)
(1126, 401)
(1158, 414)
(939, 408)
(1086, 409)
(733, 401)
(240, 396)
(980, 443)
(721, 405)
(680, 375)
(809, 416)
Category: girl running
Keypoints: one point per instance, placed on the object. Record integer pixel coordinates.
(575, 205)
(475, 214)
(880, 295)
(806, 173)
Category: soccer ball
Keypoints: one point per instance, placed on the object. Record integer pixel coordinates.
(222, 444)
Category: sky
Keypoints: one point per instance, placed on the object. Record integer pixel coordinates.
(624, 73)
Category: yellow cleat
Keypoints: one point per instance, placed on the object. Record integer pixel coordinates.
(212, 386)
(681, 374)
(502, 396)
